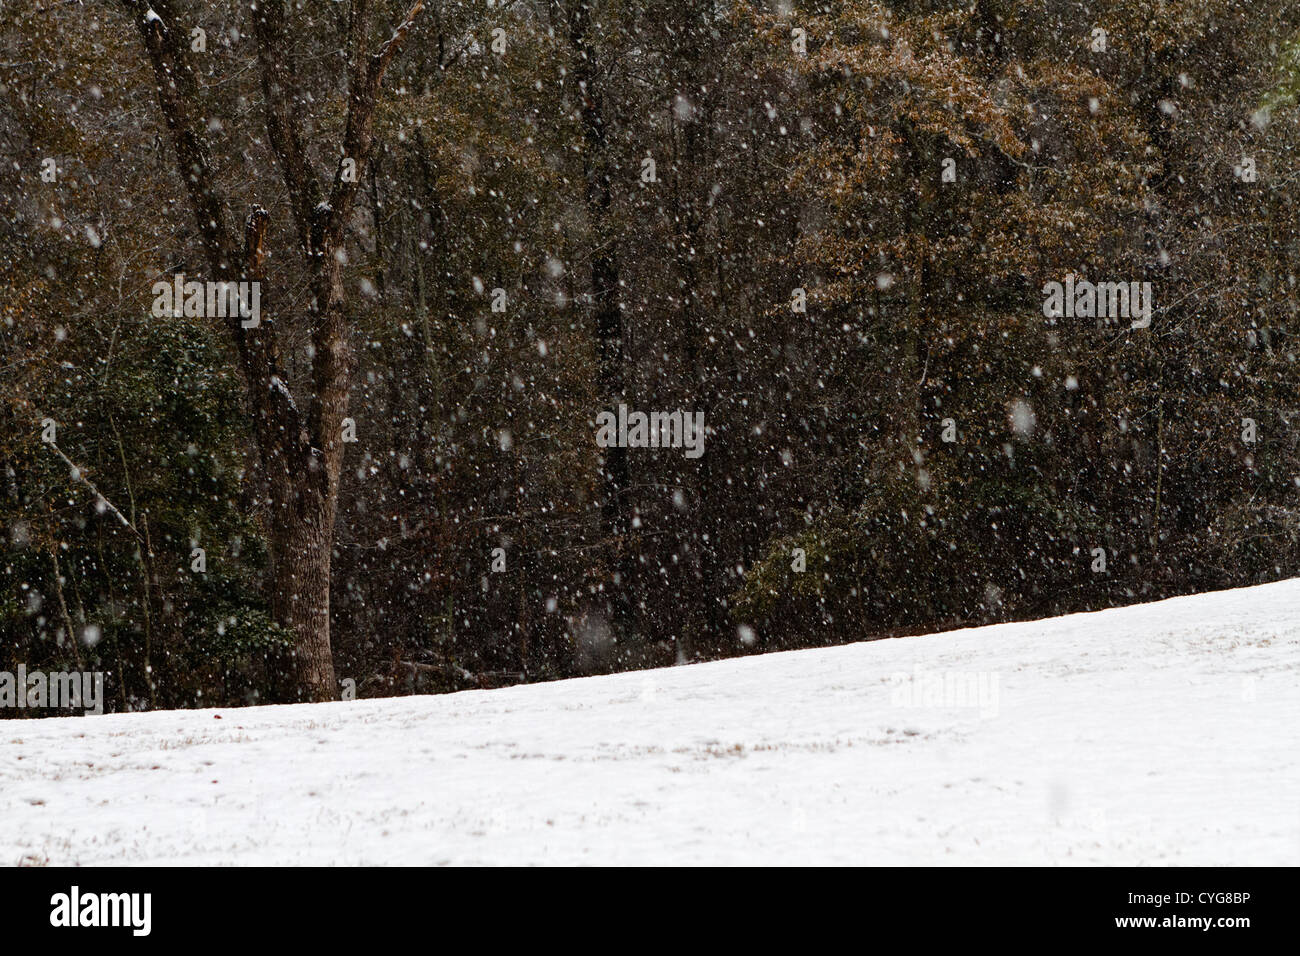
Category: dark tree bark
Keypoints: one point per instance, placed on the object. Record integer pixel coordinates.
(607, 312)
(300, 454)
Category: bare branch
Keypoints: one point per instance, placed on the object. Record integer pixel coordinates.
(367, 76)
(379, 62)
(164, 40)
(79, 474)
(283, 123)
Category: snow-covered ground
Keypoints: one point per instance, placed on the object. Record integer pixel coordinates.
(1165, 733)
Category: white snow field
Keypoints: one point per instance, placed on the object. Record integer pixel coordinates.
(1165, 733)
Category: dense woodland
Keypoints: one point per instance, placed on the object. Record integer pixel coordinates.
(827, 226)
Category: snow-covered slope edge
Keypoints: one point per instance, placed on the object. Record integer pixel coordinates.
(1166, 733)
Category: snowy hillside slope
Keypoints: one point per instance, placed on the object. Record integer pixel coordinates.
(1166, 733)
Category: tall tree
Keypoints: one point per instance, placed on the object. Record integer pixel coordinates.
(301, 452)
(575, 18)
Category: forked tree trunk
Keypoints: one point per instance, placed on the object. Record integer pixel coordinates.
(302, 454)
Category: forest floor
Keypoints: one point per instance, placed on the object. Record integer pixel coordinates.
(1164, 733)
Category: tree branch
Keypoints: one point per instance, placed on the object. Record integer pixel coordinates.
(283, 124)
(164, 39)
(367, 74)
(79, 474)
(331, 357)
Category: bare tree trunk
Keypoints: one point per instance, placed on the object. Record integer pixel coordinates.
(608, 316)
(300, 595)
(302, 455)
(64, 617)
